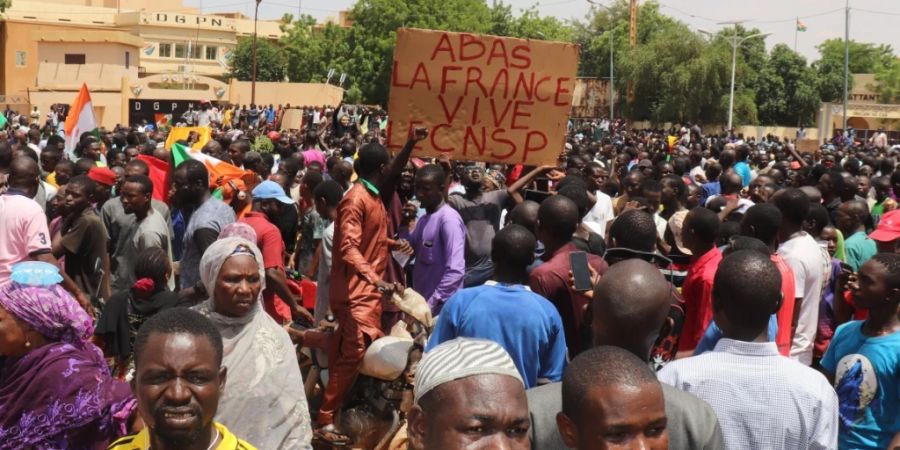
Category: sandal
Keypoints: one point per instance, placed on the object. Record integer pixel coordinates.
(328, 434)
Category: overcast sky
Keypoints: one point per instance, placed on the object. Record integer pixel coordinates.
(870, 20)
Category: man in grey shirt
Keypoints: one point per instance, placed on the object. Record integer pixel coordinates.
(148, 229)
(631, 302)
(120, 228)
(207, 216)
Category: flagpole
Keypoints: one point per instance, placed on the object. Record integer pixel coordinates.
(796, 31)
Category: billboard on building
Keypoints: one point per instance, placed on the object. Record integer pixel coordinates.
(590, 98)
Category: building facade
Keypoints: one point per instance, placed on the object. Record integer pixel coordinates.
(132, 51)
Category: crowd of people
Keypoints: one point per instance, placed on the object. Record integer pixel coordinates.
(741, 294)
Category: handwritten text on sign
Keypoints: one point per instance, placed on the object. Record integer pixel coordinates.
(484, 98)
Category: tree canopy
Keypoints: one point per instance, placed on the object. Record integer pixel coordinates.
(270, 61)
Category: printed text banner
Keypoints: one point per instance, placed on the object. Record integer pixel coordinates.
(484, 98)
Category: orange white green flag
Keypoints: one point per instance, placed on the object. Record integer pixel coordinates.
(220, 172)
(80, 119)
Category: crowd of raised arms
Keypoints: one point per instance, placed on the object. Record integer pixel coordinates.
(671, 288)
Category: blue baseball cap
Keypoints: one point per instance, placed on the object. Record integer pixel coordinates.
(270, 189)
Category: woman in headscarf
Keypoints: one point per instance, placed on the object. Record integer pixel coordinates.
(264, 401)
(55, 388)
(127, 310)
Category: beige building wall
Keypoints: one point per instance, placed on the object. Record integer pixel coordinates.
(20, 56)
(156, 5)
(95, 53)
(107, 105)
(295, 94)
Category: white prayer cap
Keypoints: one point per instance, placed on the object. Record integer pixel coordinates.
(461, 358)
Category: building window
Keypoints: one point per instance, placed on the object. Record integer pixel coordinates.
(127, 59)
(196, 51)
(20, 58)
(74, 58)
(165, 50)
(212, 52)
(179, 50)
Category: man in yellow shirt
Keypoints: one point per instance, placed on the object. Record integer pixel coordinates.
(178, 380)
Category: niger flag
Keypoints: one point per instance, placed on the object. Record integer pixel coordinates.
(220, 172)
(80, 119)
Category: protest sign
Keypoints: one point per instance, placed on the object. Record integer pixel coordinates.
(484, 98)
(807, 145)
(292, 120)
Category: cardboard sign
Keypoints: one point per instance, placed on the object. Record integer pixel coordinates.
(807, 145)
(483, 98)
(292, 120)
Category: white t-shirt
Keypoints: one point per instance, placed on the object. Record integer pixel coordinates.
(810, 267)
(600, 214)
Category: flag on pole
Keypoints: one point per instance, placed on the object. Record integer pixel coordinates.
(800, 25)
(80, 119)
(2, 121)
(220, 172)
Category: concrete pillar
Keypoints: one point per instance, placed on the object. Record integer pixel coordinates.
(125, 96)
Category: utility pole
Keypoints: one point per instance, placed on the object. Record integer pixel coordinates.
(735, 40)
(253, 83)
(632, 40)
(846, 61)
(612, 92)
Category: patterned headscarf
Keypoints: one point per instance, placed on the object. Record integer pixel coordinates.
(238, 229)
(50, 310)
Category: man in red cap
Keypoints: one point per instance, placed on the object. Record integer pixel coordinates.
(105, 179)
(887, 235)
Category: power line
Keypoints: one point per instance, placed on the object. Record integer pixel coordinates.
(689, 14)
(792, 19)
(562, 2)
(876, 12)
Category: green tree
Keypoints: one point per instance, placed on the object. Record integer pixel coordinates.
(787, 90)
(864, 58)
(593, 35)
(674, 73)
(4, 5)
(530, 25)
(374, 34)
(888, 83)
(750, 59)
(311, 52)
(270, 61)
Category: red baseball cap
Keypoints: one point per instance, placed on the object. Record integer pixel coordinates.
(102, 175)
(888, 229)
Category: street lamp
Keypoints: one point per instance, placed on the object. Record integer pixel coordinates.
(736, 42)
(611, 74)
(253, 82)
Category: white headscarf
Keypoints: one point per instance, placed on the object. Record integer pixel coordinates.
(264, 402)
